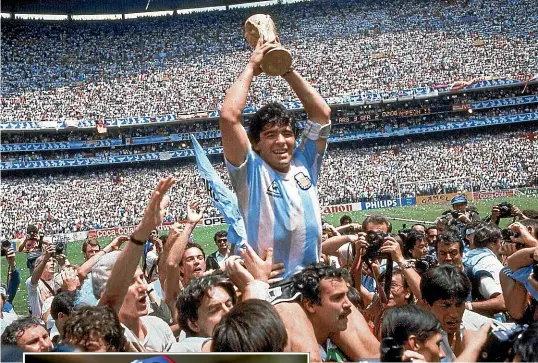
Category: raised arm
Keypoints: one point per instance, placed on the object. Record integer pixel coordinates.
(36, 275)
(315, 106)
(124, 269)
(234, 137)
(178, 241)
(87, 266)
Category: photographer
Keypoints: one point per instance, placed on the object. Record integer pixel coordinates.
(31, 246)
(483, 268)
(462, 212)
(40, 286)
(505, 210)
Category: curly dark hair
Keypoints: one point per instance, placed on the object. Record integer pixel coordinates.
(16, 329)
(272, 114)
(250, 326)
(307, 281)
(89, 323)
(190, 299)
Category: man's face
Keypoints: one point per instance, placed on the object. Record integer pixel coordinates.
(90, 251)
(335, 306)
(215, 304)
(276, 147)
(222, 243)
(449, 313)
(49, 268)
(135, 302)
(377, 227)
(431, 348)
(449, 253)
(193, 264)
(431, 235)
(420, 249)
(460, 207)
(35, 339)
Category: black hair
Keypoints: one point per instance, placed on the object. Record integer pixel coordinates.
(64, 302)
(402, 321)
(411, 240)
(272, 114)
(376, 219)
(190, 299)
(90, 322)
(345, 219)
(448, 237)
(16, 329)
(308, 280)
(250, 326)
(444, 282)
(525, 345)
(418, 224)
(192, 245)
(429, 228)
(486, 234)
(220, 234)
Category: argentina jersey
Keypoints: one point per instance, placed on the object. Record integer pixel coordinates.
(281, 210)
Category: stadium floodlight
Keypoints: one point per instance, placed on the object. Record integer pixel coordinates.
(5, 15)
(149, 14)
(97, 17)
(41, 16)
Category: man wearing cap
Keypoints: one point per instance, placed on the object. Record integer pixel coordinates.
(467, 215)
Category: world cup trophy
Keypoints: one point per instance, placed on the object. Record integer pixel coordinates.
(276, 61)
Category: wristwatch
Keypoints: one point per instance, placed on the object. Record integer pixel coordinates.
(406, 265)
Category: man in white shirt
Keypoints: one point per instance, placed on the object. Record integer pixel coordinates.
(40, 286)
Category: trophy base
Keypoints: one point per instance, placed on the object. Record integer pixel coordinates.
(276, 62)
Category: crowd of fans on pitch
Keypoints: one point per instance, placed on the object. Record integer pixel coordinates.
(62, 70)
(187, 300)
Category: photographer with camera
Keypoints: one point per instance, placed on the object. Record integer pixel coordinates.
(505, 210)
(31, 246)
(483, 269)
(41, 285)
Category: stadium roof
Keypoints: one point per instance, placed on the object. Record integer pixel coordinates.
(107, 6)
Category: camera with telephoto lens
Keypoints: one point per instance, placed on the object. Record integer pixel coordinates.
(59, 248)
(5, 247)
(505, 209)
(390, 350)
(507, 233)
(375, 240)
(424, 263)
(500, 342)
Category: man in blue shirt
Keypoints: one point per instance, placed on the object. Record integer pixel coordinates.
(275, 183)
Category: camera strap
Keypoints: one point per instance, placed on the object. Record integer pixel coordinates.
(48, 287)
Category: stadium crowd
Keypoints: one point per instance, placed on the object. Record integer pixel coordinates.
(160, 66)
(351, 173)
(464, 288)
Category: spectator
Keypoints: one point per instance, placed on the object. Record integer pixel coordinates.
(216, 260)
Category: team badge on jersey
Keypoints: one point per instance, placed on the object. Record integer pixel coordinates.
(274, 190)
(303, 181)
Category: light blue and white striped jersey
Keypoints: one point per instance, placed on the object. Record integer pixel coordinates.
(281, 210)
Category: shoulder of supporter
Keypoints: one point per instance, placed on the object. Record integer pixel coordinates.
(189, 345)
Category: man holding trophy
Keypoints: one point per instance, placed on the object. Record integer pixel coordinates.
(275, 183)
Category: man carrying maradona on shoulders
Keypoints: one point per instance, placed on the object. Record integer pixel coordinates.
(276, 187)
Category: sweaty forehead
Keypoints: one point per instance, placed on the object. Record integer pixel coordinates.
(193, 251)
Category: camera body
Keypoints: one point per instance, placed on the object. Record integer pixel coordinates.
(500, 342)
(507, 233)
(424, 263)
(375, 241)
(505, 209)
(390, 350)
(59, 248)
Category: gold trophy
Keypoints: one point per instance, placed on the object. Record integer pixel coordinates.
(277, 61)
